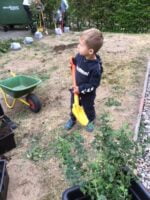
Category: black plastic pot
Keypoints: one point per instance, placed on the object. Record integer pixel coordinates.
(74, 193)
(7, 141)
(137, 191)
(4, 180)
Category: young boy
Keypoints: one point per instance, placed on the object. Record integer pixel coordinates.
(88, 75)
(5, 121)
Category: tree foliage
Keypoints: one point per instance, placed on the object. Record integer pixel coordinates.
(107, 15)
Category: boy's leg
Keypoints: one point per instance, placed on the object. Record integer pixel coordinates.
(71, 122)
(5, 120)
(71, 105)
(87, 101)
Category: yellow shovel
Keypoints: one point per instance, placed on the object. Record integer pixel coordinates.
(77, 110)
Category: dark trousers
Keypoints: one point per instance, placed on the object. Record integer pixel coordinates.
(65, 18)
(28, 11)
(87, 101)
(1, 111)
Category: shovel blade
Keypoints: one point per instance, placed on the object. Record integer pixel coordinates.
(80, 115)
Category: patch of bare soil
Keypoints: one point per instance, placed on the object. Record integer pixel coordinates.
(25, 180)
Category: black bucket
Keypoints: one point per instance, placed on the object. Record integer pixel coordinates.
(4, 180)
(137, 191)
(7, 141)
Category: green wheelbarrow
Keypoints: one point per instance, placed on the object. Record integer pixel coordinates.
(19, 86)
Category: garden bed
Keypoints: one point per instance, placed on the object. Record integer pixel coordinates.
(124, 60)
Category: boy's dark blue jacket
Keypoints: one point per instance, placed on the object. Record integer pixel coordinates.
(88, 73)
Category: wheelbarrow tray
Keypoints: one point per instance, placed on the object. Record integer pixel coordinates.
(19, 85)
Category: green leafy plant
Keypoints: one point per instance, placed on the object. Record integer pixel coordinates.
(112, 102)
(71, 150)
(117, 16)
(105, 176)
(5, 45)
(37, 152)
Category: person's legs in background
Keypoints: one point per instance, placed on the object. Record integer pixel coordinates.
(27, 9)
(65, 19)
(29, 14)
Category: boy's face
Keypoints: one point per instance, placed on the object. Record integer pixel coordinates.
(83, 48)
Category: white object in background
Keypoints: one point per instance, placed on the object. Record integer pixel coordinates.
(58, 31)
(66, 29)
(28, 40)
(64, 5)
(27, 2)
(38, 35)
(15, 46)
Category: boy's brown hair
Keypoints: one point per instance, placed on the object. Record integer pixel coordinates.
(93, 39)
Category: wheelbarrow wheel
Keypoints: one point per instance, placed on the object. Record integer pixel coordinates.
(35, 104)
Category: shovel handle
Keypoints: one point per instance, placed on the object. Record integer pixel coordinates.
(73, 72)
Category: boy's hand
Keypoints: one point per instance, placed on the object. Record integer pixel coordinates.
(76, 90)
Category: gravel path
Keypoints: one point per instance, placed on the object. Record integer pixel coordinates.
(143, 165)
(13, 34)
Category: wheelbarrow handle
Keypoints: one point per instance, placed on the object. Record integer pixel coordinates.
(12, 73)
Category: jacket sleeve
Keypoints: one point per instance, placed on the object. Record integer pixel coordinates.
(76, 58)
(93, 83)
